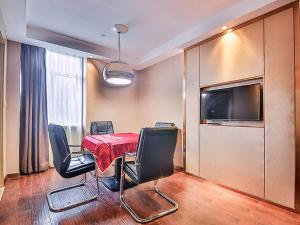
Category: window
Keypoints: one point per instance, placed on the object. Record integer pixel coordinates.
(64, 92)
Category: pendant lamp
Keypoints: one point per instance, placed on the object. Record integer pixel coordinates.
(118, 73)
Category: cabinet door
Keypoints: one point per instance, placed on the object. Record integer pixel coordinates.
(234, 56)
(2, 47)
(279, 109)
(233, 156)
(192, 111)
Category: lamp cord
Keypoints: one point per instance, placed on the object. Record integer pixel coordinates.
(119, 45)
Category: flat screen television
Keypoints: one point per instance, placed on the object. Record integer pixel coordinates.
(242, 103)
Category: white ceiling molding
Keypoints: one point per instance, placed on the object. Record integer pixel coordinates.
(14, 18)
(158, 29)
(36, 33)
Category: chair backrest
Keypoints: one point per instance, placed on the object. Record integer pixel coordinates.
(164, 124)
(155, 153)
(102, 127)
(60, 148)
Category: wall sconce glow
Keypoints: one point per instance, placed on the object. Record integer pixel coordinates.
(224, 27)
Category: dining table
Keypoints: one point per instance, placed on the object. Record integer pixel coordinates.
(109, 148)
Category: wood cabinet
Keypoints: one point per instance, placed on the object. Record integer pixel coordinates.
(256, 160)
(192, 110)
(233, 56)
(233, 156)
(2, 59)
(280, 109)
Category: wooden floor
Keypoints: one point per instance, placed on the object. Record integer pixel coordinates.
(24, 202)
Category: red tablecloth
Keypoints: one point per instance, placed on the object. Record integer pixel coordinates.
(108, 147)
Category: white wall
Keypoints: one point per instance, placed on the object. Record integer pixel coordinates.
(160, 96)
(106, 103)
(156, 95)
(12, 109)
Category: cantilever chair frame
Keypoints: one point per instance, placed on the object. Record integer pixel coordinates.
(80, 203)
(164, 124)
(156, 189)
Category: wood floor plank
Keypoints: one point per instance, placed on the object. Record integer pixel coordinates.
(200, 202)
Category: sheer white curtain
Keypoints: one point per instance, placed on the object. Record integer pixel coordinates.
(65, 93)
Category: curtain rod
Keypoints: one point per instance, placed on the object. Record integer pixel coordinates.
(63, 53)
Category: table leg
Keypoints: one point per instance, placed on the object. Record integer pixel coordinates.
(113, 183)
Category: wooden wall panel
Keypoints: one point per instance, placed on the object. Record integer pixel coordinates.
(233, 156)
(192, 110)
(2, 49)
(297, 98)
(279, 109)
(234, 56)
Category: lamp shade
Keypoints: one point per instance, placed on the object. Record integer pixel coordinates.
(118, 73)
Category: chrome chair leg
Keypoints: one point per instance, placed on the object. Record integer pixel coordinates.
(97, 180)
(84, 175)
(134, 214)
(76, 204)
(122, 177)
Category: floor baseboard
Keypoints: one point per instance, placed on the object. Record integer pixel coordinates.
(12, 175)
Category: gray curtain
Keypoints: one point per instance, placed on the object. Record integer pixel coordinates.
(34, 145)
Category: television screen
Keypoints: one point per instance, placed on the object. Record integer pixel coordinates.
(242, 103)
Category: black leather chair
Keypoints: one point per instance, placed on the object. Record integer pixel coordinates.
(68, 166)
(102, 127)
(153, 161)
(164, 124)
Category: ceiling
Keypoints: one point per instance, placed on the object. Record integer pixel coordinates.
(157, 28)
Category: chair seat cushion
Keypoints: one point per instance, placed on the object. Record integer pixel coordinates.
(79, 165)
(131, 171)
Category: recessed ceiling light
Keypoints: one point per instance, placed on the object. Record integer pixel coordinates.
(224, 27)
(228, 31)
(90, 56)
